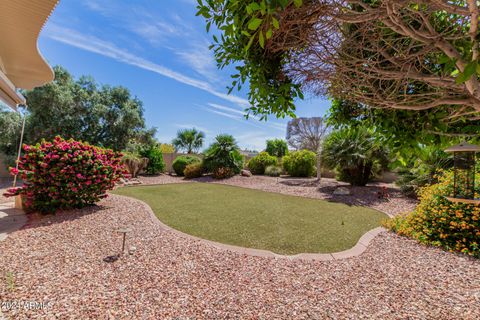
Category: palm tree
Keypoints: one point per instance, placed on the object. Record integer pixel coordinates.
(189, 140)
(356, 153)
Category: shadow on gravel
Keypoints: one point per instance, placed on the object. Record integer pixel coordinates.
(36, 219)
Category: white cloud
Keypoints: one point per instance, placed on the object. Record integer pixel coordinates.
(200, 59)
(190, 126)
(107, 49)
(241, 115)
(228, 109)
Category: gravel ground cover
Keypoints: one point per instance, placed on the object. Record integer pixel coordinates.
(363, 196)
(58, 261)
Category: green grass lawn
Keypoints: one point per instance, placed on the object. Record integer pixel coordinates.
(256, 219)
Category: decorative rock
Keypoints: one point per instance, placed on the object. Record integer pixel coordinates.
(342, 191)
(132, 250)
(246, 173)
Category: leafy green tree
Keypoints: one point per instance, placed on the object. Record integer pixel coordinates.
(224, 153)
(10, 128)
(246, 26)
(81, 109)
(277, 147)
(190, 140)
(356, 154)
(406, 132)
(387, 54)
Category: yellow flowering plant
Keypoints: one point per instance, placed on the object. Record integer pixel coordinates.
(440, 222)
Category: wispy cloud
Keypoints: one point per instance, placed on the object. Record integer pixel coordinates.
(93, 44)
(190, 126)
(240, 115)
(200, 59)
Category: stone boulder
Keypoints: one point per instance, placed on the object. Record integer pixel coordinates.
(246, 173)
(342, 191)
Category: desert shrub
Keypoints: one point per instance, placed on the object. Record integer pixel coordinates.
(223, 154)
(194, 170)
(440, 222)
(277, 147)
(355, 153)
(422, 169)
(300, 163)
(181, 162)
(258, 163)
(154, 155)
(65, 174)
(223, 173)
(273, 171)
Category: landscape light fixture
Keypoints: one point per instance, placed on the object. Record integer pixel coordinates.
(464, 173)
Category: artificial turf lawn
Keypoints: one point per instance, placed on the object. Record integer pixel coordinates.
(256, 219)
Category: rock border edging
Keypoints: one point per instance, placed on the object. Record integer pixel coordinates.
(355, 251)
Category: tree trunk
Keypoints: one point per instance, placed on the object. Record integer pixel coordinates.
(319, 165)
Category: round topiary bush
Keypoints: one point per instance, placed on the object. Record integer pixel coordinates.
(300, 163)
(181, 162)
(440, 222)
(257, 164)
(65, 174)
(273, 171)
(194, 170)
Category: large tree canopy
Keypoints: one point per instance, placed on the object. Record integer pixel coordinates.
(420, 55)
(81, 109)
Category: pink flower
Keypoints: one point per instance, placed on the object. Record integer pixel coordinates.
(14, 171)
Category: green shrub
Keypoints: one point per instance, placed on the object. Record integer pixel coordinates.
(300, 163)
(181, 162)
(155, 164)
(273, 171)
(421, 171)
(223, 173)
(258, 163)
(355, 153)
(277, 147)
(194, 170)
(440, 222)
(223, 154)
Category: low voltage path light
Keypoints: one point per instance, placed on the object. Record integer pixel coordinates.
(464, 173)
(122, 231)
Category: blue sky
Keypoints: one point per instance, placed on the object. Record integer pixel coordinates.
(159, 50)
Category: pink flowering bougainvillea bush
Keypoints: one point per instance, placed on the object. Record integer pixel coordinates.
(65, 174)
(439, 222)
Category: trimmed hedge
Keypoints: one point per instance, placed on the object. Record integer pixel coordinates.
(194, 170)
(273, 171)
(300, 163)
(257, 164)
(181, 162)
